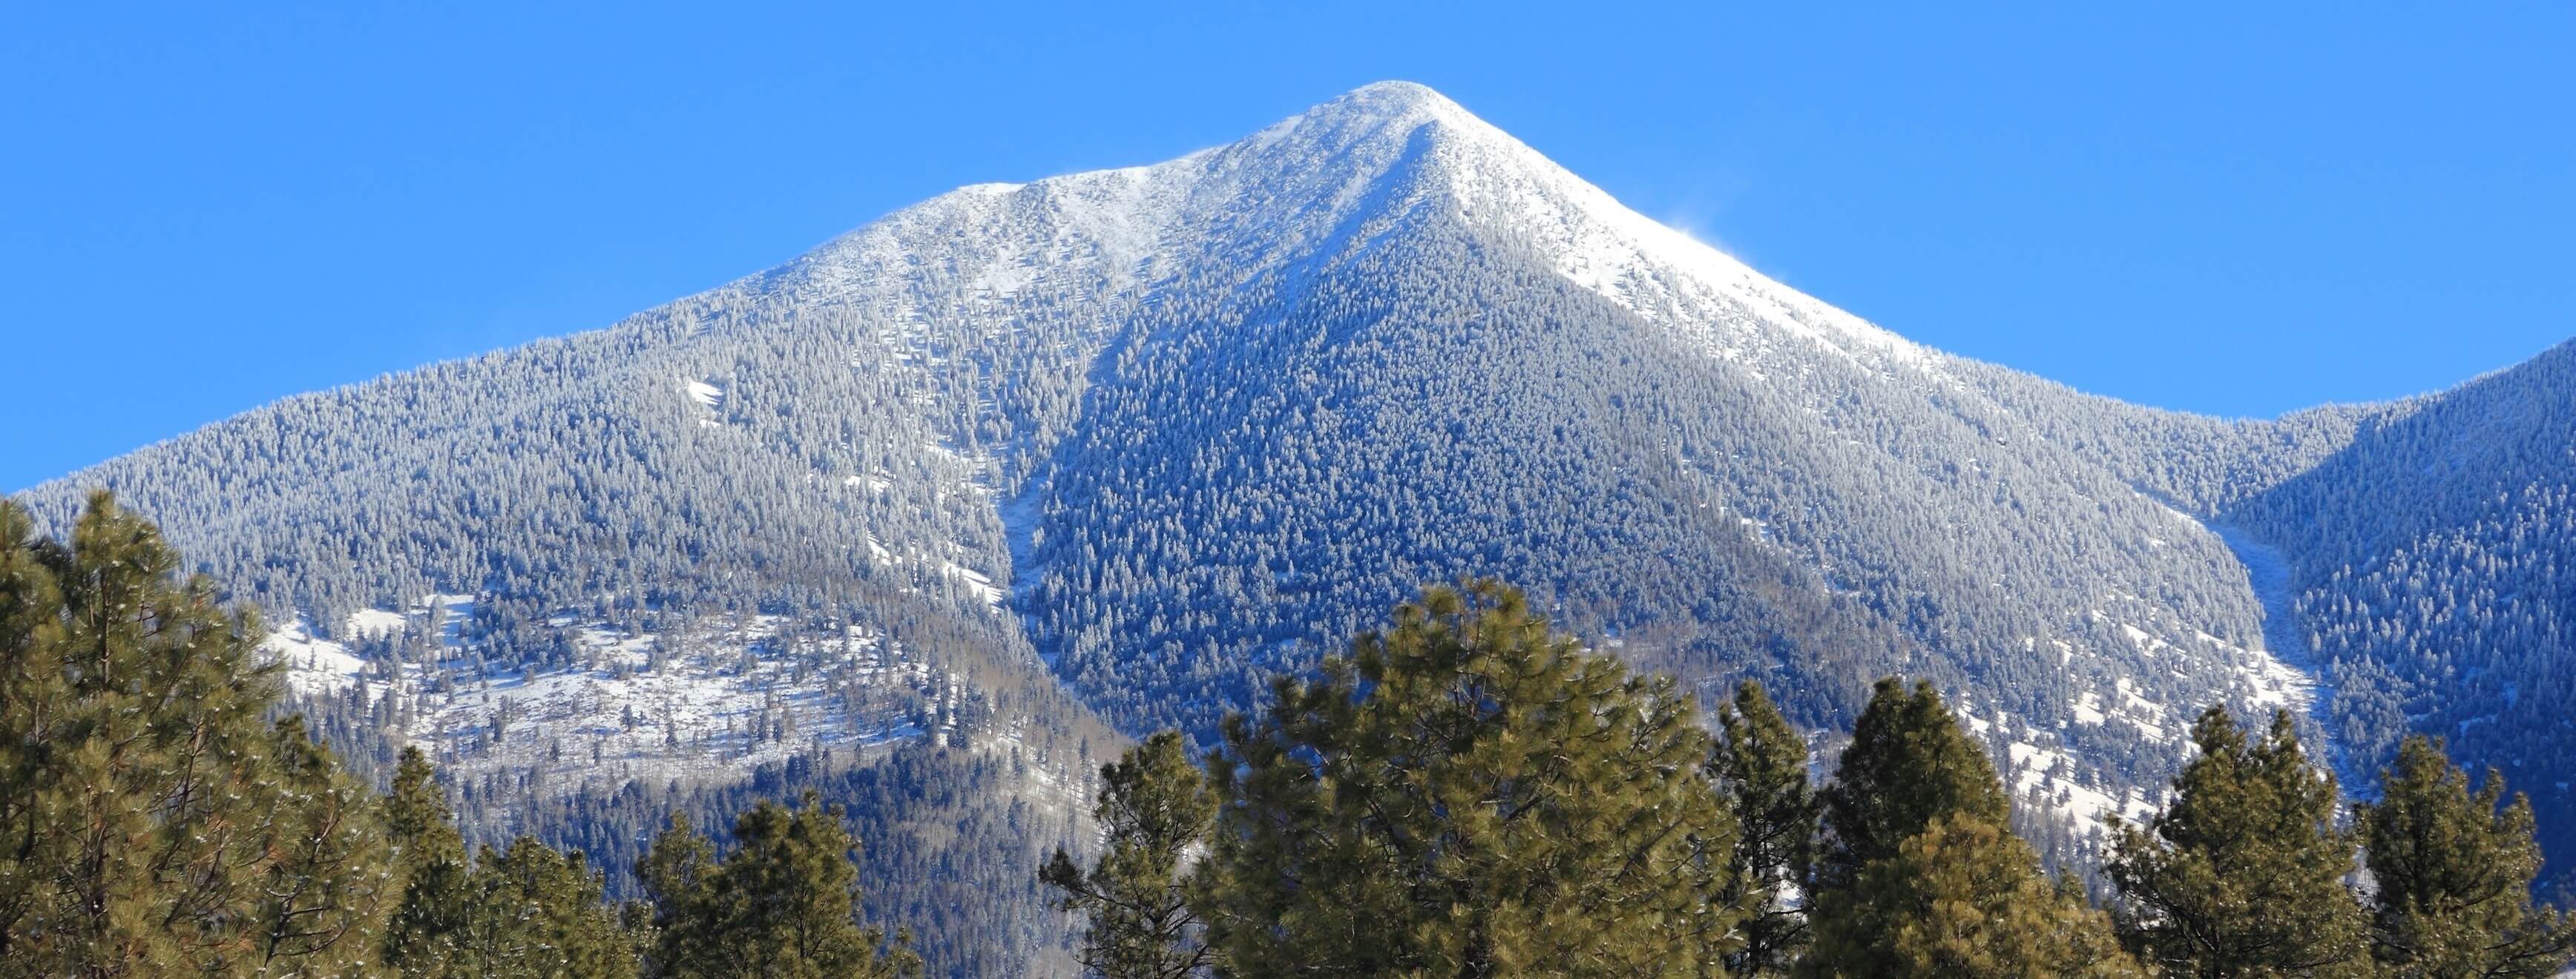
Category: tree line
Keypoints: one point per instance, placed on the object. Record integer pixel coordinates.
(1472, 793)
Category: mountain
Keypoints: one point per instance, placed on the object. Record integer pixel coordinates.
(934, 514)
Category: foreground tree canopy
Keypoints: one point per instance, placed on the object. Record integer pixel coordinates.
(1472, 794)
(1468, 793)
(154, 821)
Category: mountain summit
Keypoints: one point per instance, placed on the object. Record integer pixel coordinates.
(928, 515)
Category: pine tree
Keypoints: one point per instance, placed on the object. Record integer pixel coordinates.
(1468, 794)
(332, 884)
(420, 940)
(34, 690)
(1964, 898)
(671, 873)
(1760, 767)
(1908, 764)
(783, 905)
(2243, 874)
(1155, 808)
(2453, 872)
(531, 912)
(143, 797)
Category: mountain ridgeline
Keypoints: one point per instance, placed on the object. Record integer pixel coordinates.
(937, 515)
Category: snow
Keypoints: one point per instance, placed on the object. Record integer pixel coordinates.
(706, 394)
(693, 717)
(2280, 673)
(313, 665)
(2031, 766)
(976, 581)
(1602, 245)
(374, 622)
(2088, 709)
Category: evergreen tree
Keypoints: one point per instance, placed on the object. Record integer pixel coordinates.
(2453, 872)
(1155, 808)
(2243, 874)
(1964, 899)
(323, 907)
(34, 688)
(1468, 794)
(783, 905)
(670, 873)
(535, 912)
(143, 796)
(1908, 764)
(1760, 765)
(420, 941)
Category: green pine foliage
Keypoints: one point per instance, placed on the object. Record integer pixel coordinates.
(1918, 875)
(1468, 794)
(1155, 808)
(671, 874)
(1759, 766)
(1908, 764)
(331, 881)
(2243, 875)
(533, 912)
(526, 910)
(1964, 898)
(156, 823)
(784, 904)
(2452, 871)
(420, 941)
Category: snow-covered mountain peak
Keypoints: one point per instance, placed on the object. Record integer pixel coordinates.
(1385, 108)
(1600, 243)
(1320, 185)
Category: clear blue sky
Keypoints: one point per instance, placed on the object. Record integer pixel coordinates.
(207, 206)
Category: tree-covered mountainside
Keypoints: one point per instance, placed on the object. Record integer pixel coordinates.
(943, 511)
(2434, 572)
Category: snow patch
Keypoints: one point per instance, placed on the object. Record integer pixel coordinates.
(705, 394)
(313, 665)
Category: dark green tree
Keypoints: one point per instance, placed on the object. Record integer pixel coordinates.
(1154, 807)
(1468, 794)
(1760, 768)
(2243, 874)
(144, 804)
(1964, 899)
(784, 904)
(671, 872)
(533, 912)
(420, 940)
(2452, 871)
(333, 880)
(1908, 764)
(35, 689)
